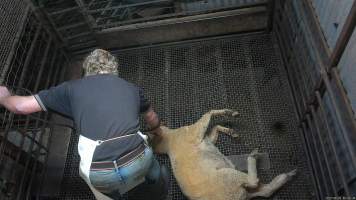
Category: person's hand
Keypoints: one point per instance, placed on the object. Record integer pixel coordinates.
(4, 92)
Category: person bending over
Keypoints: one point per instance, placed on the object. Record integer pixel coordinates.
(115, 156)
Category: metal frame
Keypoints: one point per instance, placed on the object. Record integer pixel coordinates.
(25, 134)
(333, 148)
(125, 5)
(27, 60)
(30, 51)
(313, 164)
(22, 182)
(92, 17)
(328, 82)
(38, 151)
(14, 45)
(344, 37)
(323, 148)
(256, 9)
(310, 102)
(176, 15)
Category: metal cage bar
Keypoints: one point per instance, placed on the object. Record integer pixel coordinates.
(333, 147)
(290, 36)
(344, 37)
(54, 80)
(316, 125)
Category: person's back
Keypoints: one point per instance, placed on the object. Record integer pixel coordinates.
(105, 109)
(106, 106)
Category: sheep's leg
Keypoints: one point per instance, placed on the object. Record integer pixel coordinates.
(230, 183)
(230, 176)
(252, 180)
(202, 124)
(266, 190)
(213, 135)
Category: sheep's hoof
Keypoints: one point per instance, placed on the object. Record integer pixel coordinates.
(233, 134)
(254, 153)
(292, 173)
(231, 112)
(235, 114)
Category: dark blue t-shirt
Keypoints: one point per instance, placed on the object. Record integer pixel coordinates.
(102, 107)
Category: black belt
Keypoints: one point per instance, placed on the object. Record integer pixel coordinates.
(127, 158)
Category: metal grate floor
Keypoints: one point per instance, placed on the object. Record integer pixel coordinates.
(185, 80)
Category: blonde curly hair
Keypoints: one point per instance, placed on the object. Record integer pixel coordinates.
(100, 62)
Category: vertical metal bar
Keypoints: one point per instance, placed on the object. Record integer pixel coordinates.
(311, 158)
(39, 76)
(314, 23)
(22, 182)
(37, 154)
(38, 151)
(49, 143)
(29, 56)
(333, 148)
(316, 179)
(344, 37)
(312, 138)
(310, 167)
(24, 70)
(339, 118)
(42, 67)
(316, 125)
(349, 111)
(271, 6)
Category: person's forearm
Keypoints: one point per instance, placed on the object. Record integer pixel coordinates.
(14, 104)
(20, 104)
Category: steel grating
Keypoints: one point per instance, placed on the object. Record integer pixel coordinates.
(185, 80)
(13, 14)
(25, 57)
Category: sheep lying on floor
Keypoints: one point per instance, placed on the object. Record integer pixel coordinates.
(203, 172)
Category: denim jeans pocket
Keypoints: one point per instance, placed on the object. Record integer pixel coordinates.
(138, 168)
(125, 177)
(106, 181)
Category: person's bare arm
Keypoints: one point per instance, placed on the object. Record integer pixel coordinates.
(152, 120)
(18, 104)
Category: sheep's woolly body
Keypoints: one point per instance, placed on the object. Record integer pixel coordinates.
(202, 171)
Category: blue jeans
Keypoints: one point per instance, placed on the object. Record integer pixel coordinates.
(115, 182)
